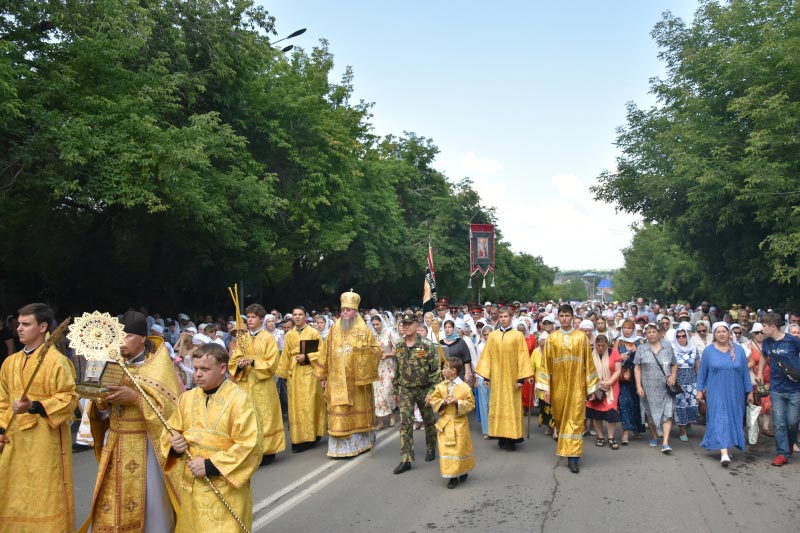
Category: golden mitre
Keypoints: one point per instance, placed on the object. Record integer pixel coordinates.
(350, 300)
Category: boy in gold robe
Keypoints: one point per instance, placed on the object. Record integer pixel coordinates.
(135, 490)
(252, 367)
(306, 402)
(217, 423)
(504, 366)
(347, 366)
(567, 377)
(39, 440)
(453, 400)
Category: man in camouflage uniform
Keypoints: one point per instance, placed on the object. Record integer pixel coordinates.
(416, 376)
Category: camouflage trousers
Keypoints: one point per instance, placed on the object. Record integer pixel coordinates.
(408, 398)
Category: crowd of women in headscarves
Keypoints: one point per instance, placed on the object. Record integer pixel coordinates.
(658, 368)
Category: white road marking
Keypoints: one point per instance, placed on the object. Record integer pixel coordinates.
(314, 488)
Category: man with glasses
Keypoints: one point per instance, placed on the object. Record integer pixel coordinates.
(705, 309)
(665, 325)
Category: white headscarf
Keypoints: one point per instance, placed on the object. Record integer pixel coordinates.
(601, 365)
(719, 325)
(676, 347)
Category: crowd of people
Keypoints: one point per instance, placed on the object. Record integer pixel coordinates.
(208, 403)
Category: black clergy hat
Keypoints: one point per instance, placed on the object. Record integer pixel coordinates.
(134, 322)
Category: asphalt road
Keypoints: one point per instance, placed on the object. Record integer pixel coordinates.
(633, 488)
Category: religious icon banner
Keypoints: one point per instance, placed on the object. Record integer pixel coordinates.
(481, 248)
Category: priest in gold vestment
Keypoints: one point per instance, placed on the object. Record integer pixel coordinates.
(504, 365)
(567, 377)
(35, 451)
(136, 490)
(306, 402)
(453, 400)
(347, 367)
(217, 423)
(253, 365)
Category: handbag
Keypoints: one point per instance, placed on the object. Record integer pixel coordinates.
(792, 374)
(673, 389)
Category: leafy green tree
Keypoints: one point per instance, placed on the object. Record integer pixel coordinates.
(156, 152)
(657, 267)
(716, 161)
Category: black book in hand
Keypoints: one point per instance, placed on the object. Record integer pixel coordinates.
(309, 346)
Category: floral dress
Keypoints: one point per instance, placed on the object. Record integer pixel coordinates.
(686, 402)
(383, 388)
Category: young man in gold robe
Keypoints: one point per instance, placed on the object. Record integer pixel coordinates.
(453, 400)
(306, 402)
(504, 366)
(39, 440)
(253, 365)
(347, 366)
(217, 423)
(568, 377)
(135, 490)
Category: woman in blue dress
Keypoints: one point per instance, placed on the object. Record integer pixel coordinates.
(688, 360)
(481, 391)
(629, 403)
(724, 382)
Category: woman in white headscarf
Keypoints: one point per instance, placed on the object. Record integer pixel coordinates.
(688, 359)
(481, 390)
(528, 393)
(724, 383)
(608, 364)
(323, 325)
(384, 387)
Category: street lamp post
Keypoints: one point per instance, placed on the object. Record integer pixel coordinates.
(290, 36)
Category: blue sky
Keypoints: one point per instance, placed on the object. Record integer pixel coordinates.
(521, 97)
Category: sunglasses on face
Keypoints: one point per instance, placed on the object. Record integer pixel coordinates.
(758, 333)
(680, 336)
(701, 330)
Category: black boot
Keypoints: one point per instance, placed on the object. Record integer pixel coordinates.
(452, 483)
(572, 463)
(463, 477)
(402, 467)
(267, 459)
(430, 456)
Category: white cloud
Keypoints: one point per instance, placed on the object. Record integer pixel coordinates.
(553, 216)
(558, 220)
(475, 166)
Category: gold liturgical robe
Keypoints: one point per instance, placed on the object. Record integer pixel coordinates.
(306, 402)
(224, 428)
(120, 494)
(349, 363)
(36, 466)
(569, 374)
(504, 361)
(454, 440)
(257, 381)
